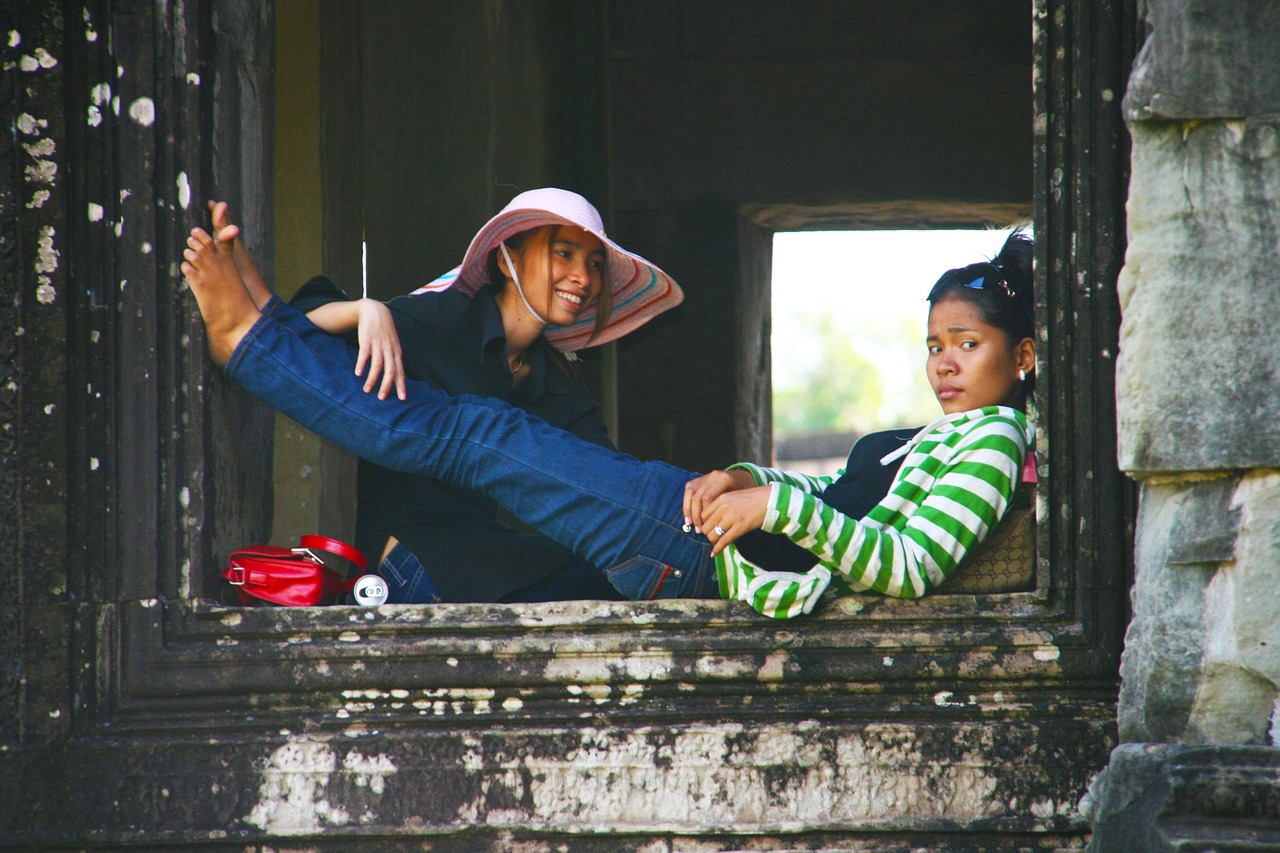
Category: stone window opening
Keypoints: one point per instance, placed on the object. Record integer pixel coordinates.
(332, 471)
(581, 660)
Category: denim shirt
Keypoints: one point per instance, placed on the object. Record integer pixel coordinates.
(471, 549)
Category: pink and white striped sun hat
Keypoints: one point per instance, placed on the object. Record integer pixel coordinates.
(641, 291)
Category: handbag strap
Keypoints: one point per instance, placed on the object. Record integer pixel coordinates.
(335, 546)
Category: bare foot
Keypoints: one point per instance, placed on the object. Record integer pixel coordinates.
(228, 310)
(220, 214)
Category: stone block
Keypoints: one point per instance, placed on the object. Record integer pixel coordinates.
(1255, 636)
(1207, 59)
(1155, 797)
(958, 786)
(1232, 705)
(1199, 359)
(1201, 663)
(1164, 645)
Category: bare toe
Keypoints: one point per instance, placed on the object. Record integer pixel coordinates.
(224, 304)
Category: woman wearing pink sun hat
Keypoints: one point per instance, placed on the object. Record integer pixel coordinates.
(637, 290)
(539, 281)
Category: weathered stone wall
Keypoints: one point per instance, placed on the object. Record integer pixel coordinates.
(1199, 413)
(136, 711)
(1199, 418)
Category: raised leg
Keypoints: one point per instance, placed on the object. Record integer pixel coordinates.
(616, 512)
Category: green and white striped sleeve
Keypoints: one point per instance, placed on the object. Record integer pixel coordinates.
(805, 482)
(951, 491)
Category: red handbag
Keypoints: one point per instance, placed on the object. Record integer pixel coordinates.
(295, 577)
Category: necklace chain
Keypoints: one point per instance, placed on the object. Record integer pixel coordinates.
(517, 364)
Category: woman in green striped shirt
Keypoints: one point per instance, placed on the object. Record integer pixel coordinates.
(625, 516)
(954, 485)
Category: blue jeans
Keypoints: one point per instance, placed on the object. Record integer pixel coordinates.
(407, 580)
(619, 514)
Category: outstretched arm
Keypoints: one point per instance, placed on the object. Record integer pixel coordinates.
(762, 476)
(701, 493)
(911, 542)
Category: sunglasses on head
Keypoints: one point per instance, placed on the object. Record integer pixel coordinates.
(974, 276)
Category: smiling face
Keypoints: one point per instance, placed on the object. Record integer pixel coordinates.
(971, 362)
(577, 272)
(561, 270)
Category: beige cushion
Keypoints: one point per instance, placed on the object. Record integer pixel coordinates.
(1004, 561)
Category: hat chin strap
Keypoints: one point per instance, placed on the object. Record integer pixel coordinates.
(515, 278)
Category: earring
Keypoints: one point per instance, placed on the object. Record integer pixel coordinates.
(1022, 374)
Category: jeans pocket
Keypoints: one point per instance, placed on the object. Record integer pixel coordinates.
(638, 578)
(406, 577)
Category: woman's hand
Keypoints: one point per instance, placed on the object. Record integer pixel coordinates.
(735, 513)
(699, 493)
(379, 349)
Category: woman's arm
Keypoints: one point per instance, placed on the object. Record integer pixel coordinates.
(915, 541)
(763, 476)
(910, 542)
(336, 318)
(379, 345)
(737, 515)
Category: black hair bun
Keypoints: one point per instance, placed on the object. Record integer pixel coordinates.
(1015, 260)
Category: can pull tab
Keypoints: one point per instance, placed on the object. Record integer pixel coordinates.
(370, 591)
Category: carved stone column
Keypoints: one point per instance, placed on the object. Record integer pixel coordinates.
(1199, 429)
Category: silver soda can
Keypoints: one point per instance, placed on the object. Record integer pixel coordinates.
(370, 591)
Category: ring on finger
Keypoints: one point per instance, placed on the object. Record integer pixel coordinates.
(719, 530)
